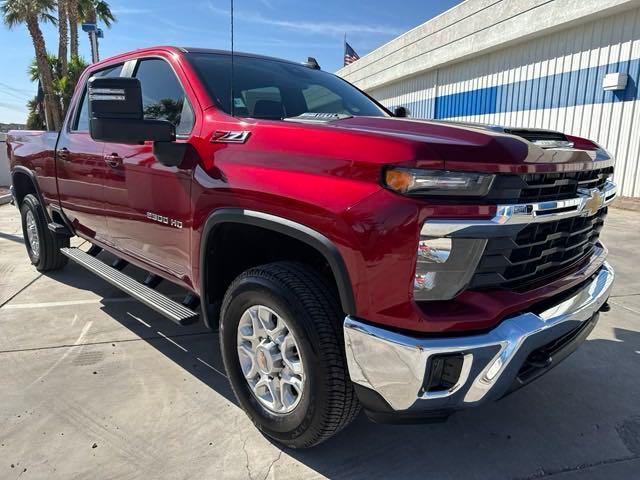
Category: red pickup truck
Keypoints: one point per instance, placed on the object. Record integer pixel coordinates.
(349, 257)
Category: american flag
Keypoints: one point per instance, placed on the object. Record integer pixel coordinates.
(350, 54)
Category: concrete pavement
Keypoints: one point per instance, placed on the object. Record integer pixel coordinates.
(95, 385)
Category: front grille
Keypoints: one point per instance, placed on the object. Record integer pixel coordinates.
(541, 187)
(540, 252)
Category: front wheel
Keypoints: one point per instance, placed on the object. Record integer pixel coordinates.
(281, 341)
(43, 246)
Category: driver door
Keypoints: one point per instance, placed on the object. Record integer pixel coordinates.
(81, 169)
(148, 205)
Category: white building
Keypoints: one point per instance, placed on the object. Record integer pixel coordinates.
(524, 63)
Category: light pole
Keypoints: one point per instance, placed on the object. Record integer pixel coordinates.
(94, 34)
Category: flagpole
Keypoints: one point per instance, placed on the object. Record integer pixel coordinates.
(344, 50)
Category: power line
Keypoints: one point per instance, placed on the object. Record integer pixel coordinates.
(17, 90)
(11, 94)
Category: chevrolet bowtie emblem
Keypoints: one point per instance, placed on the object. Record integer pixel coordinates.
(593, 202)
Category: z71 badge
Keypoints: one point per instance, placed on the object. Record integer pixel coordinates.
(165, 220)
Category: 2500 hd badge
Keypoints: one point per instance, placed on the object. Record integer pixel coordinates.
(162, 219)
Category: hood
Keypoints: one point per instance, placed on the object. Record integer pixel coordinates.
(467, 146)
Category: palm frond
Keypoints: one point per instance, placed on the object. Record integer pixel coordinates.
(48, 18)
(104, 13)
(93, 10)
(15, 12)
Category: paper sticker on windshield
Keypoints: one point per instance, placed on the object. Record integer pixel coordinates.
(238, 102)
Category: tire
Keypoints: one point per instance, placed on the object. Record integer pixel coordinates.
(312, 314)
(46, 255)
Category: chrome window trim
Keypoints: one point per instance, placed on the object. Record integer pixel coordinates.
(526, 213)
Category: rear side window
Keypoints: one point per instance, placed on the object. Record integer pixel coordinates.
(162, 95)
(81, 123)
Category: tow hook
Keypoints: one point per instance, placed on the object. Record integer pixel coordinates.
(605, 307)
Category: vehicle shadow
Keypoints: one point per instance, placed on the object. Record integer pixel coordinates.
(193, 347)
(568, 419)
(571, 418)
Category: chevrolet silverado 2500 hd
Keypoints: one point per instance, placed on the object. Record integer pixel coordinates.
(349, 257)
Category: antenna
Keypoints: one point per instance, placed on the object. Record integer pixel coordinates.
(232, 64)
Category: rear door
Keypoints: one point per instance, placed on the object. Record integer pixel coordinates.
(149, 204)
(81, 168)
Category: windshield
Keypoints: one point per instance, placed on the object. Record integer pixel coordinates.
(273, 89)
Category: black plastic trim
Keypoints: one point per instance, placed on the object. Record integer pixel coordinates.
(567, 344)
(286, 227)
(379, 411)
(70, 230)
(32, 177)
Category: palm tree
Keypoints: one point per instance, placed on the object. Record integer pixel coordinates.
(72, 15)
(63, 85)
(63, 37)
(66, 85)
(90, 11)
(35, 119)
(31, 13)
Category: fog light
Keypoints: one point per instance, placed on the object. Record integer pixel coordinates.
(493, 370)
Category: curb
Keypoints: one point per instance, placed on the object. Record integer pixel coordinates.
(5, 199)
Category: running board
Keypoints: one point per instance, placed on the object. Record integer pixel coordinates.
(174, 311)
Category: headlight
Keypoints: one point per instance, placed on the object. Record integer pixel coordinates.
(413, 181)
(444, 266)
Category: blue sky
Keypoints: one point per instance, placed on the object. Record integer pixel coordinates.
(282, 28)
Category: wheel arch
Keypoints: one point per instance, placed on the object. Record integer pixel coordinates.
(25, 182)
(296, 231)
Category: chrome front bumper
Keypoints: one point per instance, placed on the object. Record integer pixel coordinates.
(395, 365)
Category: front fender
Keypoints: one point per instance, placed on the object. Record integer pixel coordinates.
(284, 226)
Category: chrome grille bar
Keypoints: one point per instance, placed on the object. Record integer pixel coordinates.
(588, 202)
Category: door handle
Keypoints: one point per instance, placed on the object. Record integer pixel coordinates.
(63, 154)
(114, 160)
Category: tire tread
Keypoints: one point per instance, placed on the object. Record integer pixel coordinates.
(317, 299)
(50, 243)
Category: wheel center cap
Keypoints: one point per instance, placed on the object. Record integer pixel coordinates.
(263, 364)
(268, 358)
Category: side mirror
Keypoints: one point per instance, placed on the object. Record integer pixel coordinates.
(115, 110)
(401, 112)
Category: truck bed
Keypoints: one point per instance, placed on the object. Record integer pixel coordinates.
(35, 151)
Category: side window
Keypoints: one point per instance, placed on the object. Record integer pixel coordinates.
(81, 123)
(162, 95)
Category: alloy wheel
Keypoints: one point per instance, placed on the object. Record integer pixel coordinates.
(32, 234)
(270, 359)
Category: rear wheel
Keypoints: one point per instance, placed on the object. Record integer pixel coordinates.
(43, 246)
(282, 345)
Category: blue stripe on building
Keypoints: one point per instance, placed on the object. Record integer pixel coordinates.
(577, 87)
